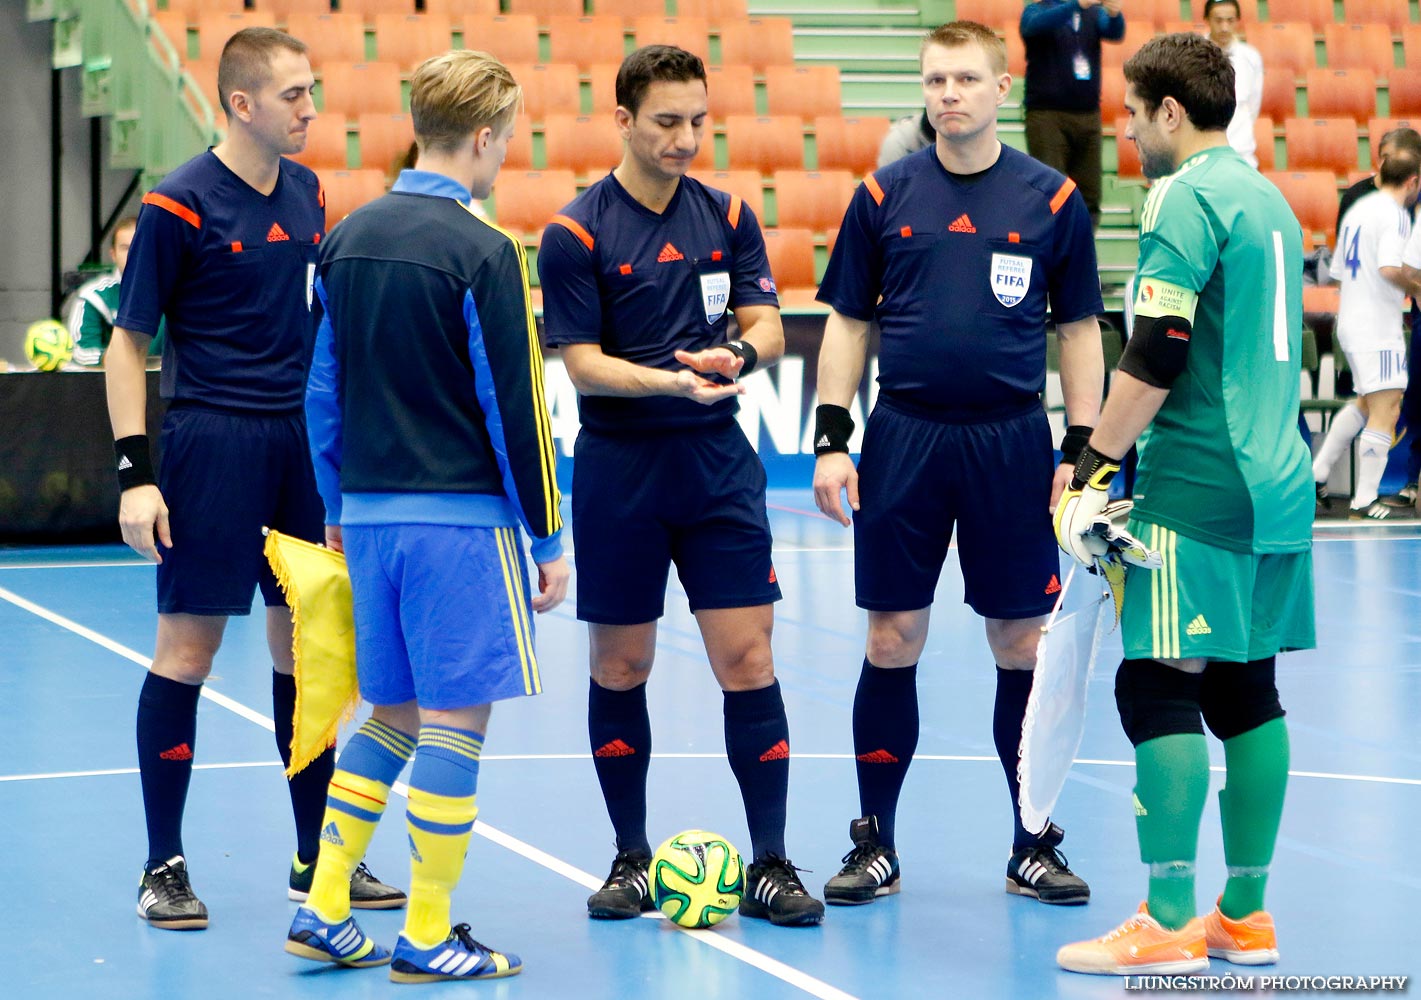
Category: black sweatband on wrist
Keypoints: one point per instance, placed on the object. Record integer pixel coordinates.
(1094, 470)
(832, 429)
(1076, 438)
(135, 463)
(747, 352)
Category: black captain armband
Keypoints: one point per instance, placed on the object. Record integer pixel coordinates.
(1094, 470)
(135, 464)
(1074, 442)
(1158, 350)
(747, 352)
(832, 429)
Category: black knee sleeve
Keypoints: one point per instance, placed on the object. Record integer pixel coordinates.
(1156, 700)
(1237, 697)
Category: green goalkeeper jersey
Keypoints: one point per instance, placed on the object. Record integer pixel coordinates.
(1223, 462)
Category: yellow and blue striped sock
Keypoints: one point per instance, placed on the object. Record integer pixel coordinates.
(442, 808)
(359, 789)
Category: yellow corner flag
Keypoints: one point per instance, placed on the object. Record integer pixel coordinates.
(317, 587)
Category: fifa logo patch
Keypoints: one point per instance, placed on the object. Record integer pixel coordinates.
(715, 294)
(1010, 278)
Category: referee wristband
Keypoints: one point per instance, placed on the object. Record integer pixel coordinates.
(1076, 438)
(747, 353)
(832, 429)
(135, 465)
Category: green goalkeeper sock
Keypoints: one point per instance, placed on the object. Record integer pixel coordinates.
(1251, 807)
(1171, 785)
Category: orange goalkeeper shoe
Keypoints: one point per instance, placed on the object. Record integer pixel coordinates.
(1249, 941)
(1140, 946)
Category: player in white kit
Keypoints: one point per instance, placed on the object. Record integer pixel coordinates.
(1369, 261)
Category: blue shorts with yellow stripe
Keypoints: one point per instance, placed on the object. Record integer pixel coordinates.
(442, 614)
(1215, 603)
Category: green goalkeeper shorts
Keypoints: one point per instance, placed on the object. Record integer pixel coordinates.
(1214, 603)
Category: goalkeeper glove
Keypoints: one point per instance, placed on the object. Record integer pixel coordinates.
(1081, 503)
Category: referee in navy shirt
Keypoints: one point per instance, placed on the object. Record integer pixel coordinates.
(955, 251)
(639, 276)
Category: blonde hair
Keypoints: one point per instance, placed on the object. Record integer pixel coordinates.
(455, 94)
(957, 33)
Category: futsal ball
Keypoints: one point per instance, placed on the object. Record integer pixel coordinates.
(48, 344)
(697, 878)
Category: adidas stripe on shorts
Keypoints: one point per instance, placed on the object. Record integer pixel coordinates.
(1374, 371)
(1215, 603)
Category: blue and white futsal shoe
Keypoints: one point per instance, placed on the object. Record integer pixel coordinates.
(458, 956)
(343, 943)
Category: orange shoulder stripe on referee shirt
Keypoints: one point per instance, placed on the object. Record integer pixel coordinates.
(871, 182)
(734, 213)
(168, 205)
(1062, 195)
(576, 229)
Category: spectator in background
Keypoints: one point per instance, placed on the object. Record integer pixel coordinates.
(1398, 139)
(1063, 86)
(908, 135)
(96, 302)
(1222, 16)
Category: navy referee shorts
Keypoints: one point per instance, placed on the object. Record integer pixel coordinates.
(918, 478)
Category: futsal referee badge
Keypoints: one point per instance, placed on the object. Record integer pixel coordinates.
(715, 294)
(1011, 277)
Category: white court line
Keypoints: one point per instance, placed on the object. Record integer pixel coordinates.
(131, 770)
(77, 565)
(786, 973)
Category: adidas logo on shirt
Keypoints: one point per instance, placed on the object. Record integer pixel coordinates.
(1198, 627)
(962, 224)
(616, 748)
(669, 253)
(276, 234)
(331, 835)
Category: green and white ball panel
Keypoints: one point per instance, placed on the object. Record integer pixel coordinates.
(697, 878)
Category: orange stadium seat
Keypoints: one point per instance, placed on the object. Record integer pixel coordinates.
(689, 33)
(1016, 51)
(1316, 13)
(1321, 144)
(330, 37)
(192, 8)
(520, 147)
(409, 39)
(628, 9)
(204, 74)
(849, 143)
(1137, 33)
(1411, 45)
(807, 91)
(1263, 138)
(325, 146)
(1112, 94)
(714, 11)
(1287, 44)
(347, 190)
(791, 256)
(1358, 46)
(173, 25)
(990, 12)
(1333, 93)
(1404, 88)
(1312, 195)
(384, 140)
(766, 41)
(355, 89)
(603, 77)
(1378, 127)
(1157, 11)
(544, 9)
(1280, 96)
(1248, 11)
(1184, 27)
(215, 27)
(524, 200)
(1127, 157)
(548, 89)
(585, 144)
(513, 38)
(370, 9)
(1392, 13)
(457, 9)
(765, 143)
(731, 91)
(586, 40)
(745, 183)
(282, 10)
(812, 199)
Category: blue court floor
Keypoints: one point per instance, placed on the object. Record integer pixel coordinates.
(77, 626)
